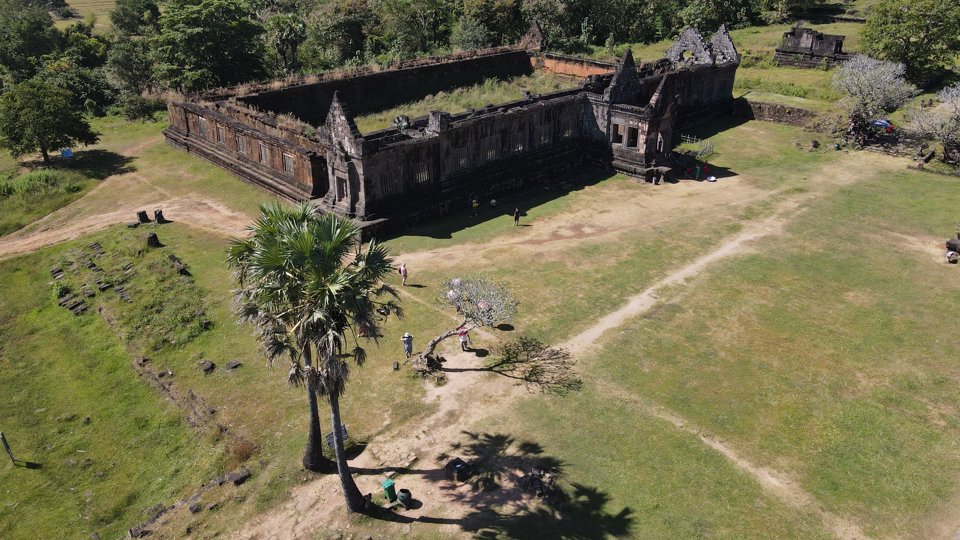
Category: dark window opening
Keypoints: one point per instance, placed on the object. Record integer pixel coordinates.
(617, 134)
(633, 135)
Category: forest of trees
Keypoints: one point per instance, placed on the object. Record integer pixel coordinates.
(189, 45)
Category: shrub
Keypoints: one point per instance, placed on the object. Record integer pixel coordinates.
(139, 107)
(60, 289)
(41, 182)
(240, 452)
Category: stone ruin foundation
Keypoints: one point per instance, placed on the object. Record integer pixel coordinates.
(807, 48)
(298, 138)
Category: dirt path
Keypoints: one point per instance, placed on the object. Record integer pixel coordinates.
(642, 302)
(774, 482)
(418, 456)
(62, 225)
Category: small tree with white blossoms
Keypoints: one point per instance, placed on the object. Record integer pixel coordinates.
(941, 122)
(870, 87)
(478, 301)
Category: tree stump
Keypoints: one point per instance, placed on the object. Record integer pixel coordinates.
(152, 240)
(142, 217)
(158, 216)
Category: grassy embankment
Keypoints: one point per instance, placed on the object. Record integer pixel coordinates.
(77, 365)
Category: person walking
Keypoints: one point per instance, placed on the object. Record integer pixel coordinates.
(475, 205)
(464, 338)
(403, 274)
(407, 340)
(516, 217)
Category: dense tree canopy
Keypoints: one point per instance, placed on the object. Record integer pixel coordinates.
(208, 43)
(26, 34)
(924, 35)
(135, 17)
(39, 116)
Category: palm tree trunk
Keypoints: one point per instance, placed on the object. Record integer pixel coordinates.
(313, 459)
(355, 499)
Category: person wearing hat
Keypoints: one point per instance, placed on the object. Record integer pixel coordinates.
(407, 344)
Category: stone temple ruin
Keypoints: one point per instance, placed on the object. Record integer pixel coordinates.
(804, 47)
(298, 138)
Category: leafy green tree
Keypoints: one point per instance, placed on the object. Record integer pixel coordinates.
(208, 43)
(89, 88)
(709, 14)
(337, 33)
(286, 32)
(924, 35)
(502, 19)
(469, 33)
(39, 116)
(84, 48)
(128, 65)
(408, 27)
(26, 34)
(308, 289)
(135, 17)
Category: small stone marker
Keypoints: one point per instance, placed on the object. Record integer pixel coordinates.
(158, 216)
(142, 217)
(208, 367)
(234, 364)
(239, 477)
(152, 240)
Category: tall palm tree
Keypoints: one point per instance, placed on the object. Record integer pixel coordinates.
(311, 291)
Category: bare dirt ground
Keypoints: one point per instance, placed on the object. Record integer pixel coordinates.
(100, 209)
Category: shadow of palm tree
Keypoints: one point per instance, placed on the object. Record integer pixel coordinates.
(577, 514)
(515, 490)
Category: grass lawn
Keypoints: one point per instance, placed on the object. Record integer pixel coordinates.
(813, 355)
(99, 8)
(491, 91)
(590, 278)
(638, 477)
(824, 353)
